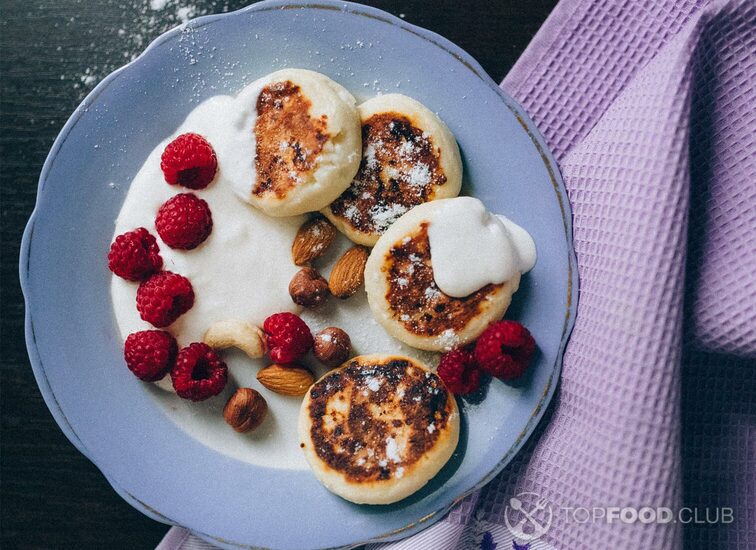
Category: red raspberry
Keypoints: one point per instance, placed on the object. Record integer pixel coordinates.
(459, 371)
(189, 160)
(150, 354)
(184, 221)
(289, 338)
(164, 297)
(199, 372)
(505, 349)
(135, 255)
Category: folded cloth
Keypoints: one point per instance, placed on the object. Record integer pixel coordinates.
(650, 110)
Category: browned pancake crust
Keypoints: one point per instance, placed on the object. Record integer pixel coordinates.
(354, 444)
(415, 300)
(288, 139)
(399, 169)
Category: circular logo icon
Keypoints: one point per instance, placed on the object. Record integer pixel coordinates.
(528, 516)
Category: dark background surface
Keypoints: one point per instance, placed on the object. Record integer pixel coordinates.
(51, 55)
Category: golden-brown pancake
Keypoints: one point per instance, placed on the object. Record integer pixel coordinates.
(409, 157)
(376, 429)
(307, 142)
(405, 299)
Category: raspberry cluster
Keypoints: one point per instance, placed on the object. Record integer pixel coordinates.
(183, 222)
(197, 372)
(504, 350)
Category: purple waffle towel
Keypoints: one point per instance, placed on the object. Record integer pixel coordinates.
(650, 109)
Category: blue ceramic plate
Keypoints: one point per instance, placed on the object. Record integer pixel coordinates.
(71, 333)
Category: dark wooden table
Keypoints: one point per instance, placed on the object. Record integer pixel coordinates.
(51, 54)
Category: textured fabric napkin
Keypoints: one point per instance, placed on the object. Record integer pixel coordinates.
(650, 109)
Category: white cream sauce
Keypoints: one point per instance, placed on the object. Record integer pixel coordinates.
(471, 248)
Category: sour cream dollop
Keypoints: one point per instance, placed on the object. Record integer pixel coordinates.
(471, 247)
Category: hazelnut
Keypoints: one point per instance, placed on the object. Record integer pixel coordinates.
(245, 410)
(332, 346)
(308, 288)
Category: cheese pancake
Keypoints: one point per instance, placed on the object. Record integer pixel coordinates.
(307, 142)
(376, 429)
(409, 157)
(405, 299)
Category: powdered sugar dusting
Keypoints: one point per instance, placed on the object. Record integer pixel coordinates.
(373, 383)
(383, 215)
(419, 175)
(352, 213)
(185, 13)
(147, 20)
(392, 450)
(370, 159)
(407, 149)
(448, 339)
(432, 293)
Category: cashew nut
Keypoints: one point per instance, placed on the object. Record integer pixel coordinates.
(233, 333)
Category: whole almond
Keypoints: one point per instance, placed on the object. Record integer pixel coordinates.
(293, 380)
(312, 240)
(245, 410)
(349, 272)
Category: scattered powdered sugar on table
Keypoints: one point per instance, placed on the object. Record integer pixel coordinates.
(88, 79)
(117, 39)
(185, 13)
(147, 19)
